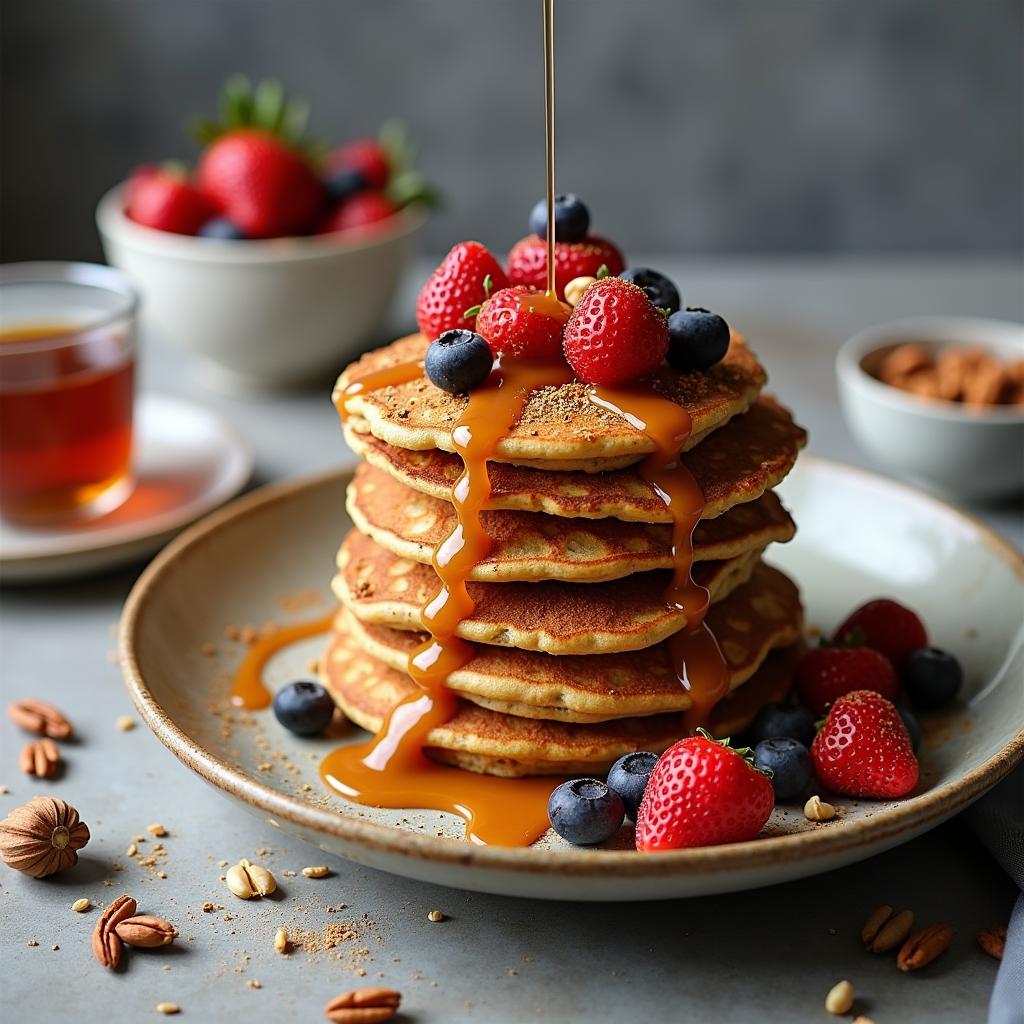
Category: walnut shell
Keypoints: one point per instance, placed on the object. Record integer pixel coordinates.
(42, 837)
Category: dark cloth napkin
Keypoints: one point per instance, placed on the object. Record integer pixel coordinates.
(998, 820)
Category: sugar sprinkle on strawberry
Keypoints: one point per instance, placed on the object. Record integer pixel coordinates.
(864, 749)
(515, 327)
(615, 335)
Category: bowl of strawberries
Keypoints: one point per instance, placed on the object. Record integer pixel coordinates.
(274, 259)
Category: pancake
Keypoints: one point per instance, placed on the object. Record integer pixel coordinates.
(550, 616)
(761, 615)
(559, 427)
(735, 465)
(480, 740)
(531, 546)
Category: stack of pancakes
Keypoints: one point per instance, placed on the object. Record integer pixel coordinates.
(570, 666)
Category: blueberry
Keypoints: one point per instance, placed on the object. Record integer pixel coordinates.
(932, 678)
(304, 708)
(790, 762)
(697, 339)
(585, 811)
(775, 720)
(628, 777)
(221, 227)
(459, 361)
(660, 290)
(572, 218)
(344, 182)
(913, 727)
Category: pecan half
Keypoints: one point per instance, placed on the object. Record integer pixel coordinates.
(106, 945)
(873, 925)
(41, 758)
(39, 717)
(363, 1006)
(146, 931)
(993, 940)
(924, 946)
(893, 933)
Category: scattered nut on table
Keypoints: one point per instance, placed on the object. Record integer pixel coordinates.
(363, 1006)
(885, 931)
(924, 946)
(993, 940)
(840, 998)
(247, 880)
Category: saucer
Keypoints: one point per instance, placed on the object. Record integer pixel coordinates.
(188, 461)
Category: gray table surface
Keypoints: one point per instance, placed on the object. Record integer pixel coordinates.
(767, 955)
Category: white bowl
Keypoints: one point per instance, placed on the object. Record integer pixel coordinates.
(261, 313)
(957, 452)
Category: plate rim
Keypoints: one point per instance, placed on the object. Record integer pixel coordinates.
(242, 461)
(910, 818)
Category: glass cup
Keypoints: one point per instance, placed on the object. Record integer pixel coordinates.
(67, 368)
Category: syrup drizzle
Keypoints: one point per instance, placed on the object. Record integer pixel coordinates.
(391, 770)
(390, 376)
(248, 689)
(693, 652)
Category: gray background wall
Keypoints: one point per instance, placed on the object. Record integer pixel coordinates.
(689, 125)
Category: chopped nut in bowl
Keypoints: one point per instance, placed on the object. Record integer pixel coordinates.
(940, 401)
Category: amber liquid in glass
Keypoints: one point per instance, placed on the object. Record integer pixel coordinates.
(65, 421)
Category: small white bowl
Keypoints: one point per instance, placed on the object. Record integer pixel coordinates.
(261, 314)
(957, 452)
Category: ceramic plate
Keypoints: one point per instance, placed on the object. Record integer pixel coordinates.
(188, 462)
(269, 557)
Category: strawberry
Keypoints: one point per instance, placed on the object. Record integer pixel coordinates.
(615, 334)
(885, 626)
(260, 183)
(864, 749)
(528, 261)
(828, 673)
(165, 200)
(368, 157)
(702, 792)
(363, 210)
(511, 324)
(457, 285)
